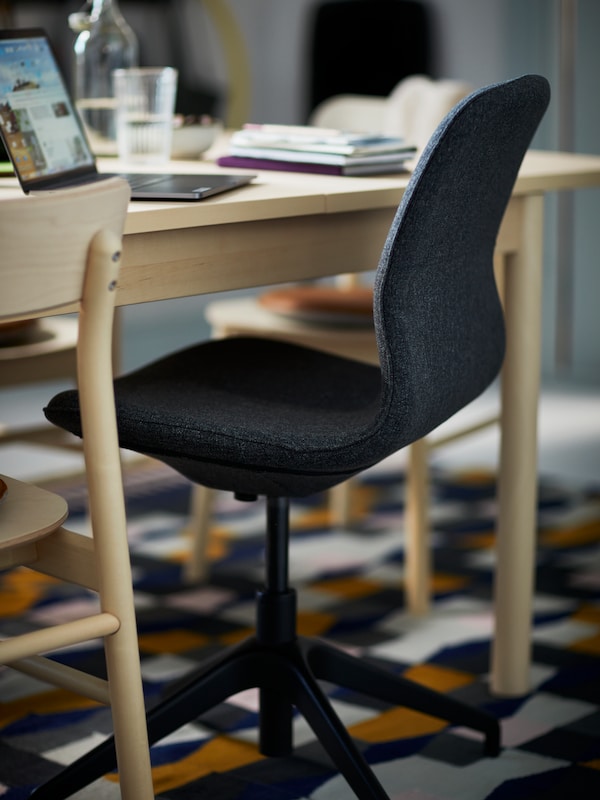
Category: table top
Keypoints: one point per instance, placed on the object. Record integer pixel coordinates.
(282, 194)
(290, 194)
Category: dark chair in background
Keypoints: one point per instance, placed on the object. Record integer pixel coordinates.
(259, 417)
(366, 47)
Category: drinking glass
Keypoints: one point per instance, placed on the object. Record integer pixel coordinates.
(145, 100)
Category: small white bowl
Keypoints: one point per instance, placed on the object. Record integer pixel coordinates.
(191, 140)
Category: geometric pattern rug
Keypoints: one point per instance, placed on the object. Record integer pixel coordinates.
(349, 584)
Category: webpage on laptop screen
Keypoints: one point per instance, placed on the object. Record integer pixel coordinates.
(40, 128)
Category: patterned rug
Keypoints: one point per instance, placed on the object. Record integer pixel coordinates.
(349, 584)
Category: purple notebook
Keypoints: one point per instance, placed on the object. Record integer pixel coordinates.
(284, 166)
(301, 166)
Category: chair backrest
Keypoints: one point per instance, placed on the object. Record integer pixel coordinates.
(46, 241)
(438, 318)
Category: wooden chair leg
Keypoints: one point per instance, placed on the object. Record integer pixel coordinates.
(123, 665)
(340, 503)
(196, 567)
(417, 549)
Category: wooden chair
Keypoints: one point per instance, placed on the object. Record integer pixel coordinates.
(60, 252)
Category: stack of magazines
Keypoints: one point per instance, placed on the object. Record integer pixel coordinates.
(304, 148)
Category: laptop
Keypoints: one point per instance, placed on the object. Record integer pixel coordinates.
(45, 138)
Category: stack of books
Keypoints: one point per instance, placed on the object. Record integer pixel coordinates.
(305, 148)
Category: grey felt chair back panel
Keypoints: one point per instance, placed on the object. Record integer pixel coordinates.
(438, 317)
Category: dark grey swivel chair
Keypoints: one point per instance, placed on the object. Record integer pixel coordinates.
(259, 417)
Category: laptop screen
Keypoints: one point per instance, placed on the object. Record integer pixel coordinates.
(40, 128)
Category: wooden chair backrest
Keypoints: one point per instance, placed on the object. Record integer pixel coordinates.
(46, 241)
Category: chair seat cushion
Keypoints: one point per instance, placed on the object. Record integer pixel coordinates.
(250, 415)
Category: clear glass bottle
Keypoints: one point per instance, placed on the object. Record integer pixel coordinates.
(105, 42)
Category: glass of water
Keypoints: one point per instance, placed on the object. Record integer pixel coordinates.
(145, 103)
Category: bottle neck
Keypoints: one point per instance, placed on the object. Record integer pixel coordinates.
(100, 7)
(106, 16)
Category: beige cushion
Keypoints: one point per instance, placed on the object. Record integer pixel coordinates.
(351, 112)
(413, 109)
(418, 104)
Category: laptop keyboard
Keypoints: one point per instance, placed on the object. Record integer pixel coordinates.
(140, 181)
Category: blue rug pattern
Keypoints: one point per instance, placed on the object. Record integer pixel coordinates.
(350, 590)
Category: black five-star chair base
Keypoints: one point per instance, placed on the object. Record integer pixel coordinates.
(285, 668)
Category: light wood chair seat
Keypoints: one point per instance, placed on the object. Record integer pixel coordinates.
(28, 513)
(42, 338)
(354, 341)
